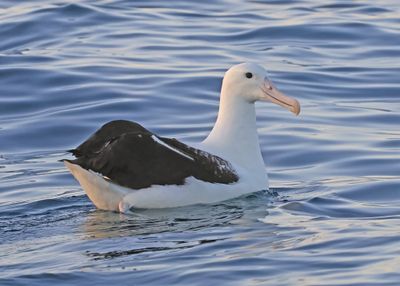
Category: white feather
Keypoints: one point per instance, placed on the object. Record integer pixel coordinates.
(109, 196)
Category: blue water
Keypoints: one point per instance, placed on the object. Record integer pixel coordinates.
(332, 216)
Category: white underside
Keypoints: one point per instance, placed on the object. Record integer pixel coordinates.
(109, 196)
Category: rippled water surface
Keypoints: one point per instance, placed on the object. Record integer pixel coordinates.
(332, 216)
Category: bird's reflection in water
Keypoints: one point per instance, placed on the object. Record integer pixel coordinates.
(156, 230)
(102, 224)
(105, 224)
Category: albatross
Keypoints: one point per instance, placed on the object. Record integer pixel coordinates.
(123, 165)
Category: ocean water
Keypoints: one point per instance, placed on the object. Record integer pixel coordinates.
(332, 215)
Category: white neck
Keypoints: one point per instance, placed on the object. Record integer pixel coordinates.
(234, 135)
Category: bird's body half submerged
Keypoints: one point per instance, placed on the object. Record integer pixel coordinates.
(124, 165)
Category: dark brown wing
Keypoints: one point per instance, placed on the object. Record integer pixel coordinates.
(107, 132)
(138, 159)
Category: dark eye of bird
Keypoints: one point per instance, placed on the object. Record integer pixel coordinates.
(249, 75)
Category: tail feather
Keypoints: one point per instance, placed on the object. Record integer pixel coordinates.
(75, 152)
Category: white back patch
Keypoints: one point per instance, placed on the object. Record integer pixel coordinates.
(156, 139)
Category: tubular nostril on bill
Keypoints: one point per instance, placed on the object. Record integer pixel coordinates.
(267, 83)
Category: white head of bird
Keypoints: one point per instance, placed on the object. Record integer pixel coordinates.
(249, 82)
(235, 129)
